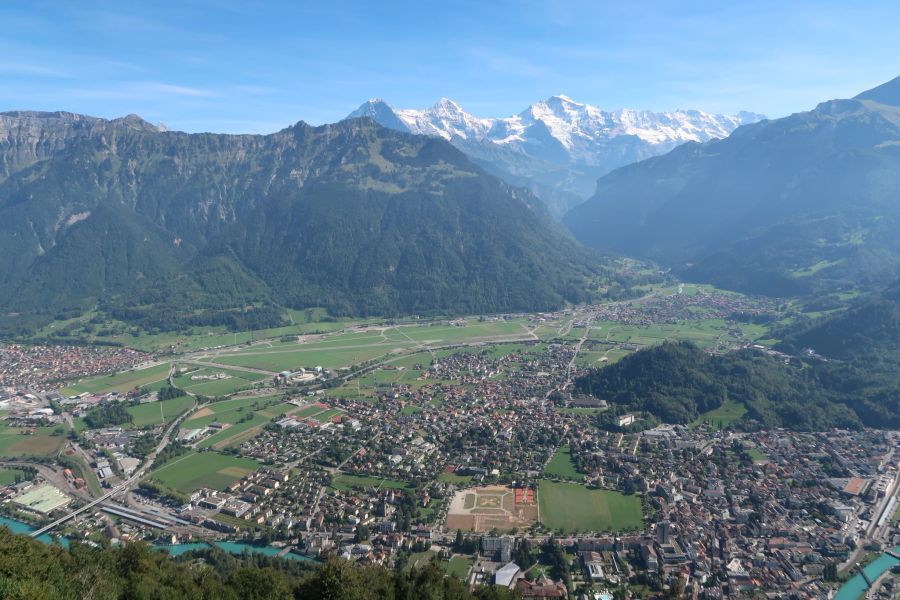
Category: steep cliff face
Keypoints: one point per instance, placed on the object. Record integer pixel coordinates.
(352, 216)
(27, 137)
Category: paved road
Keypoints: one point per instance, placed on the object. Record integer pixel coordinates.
(201, 363)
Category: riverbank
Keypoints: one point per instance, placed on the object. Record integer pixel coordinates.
(856, 587)
(236, 548)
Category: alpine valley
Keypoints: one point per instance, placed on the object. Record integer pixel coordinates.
(805, 204)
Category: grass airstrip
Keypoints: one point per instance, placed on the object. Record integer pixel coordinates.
(121, 382)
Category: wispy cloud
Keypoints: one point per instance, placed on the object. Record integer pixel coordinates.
(142, 90)
(32, 70)
(503, 62)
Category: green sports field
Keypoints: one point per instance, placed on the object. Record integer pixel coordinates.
(203, 469)
(570, 506)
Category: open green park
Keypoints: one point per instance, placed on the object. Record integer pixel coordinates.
(209, 469)
(571, 506)
(562, 465)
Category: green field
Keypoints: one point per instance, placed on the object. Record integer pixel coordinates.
(705, 332)
(309, 411)
(325, 417)
(155, 413)
(236, 380)
(562, 466)
(229, 411)
(234, 413)
(291, 360)
(350, 348)
(15, 442)
(458, 566)
(757, 455)
(347, 482)
(730, 412)
(203, 469)
(8, 476)
(454, 478)
(570, 506)
(234, 434)
(119, 382)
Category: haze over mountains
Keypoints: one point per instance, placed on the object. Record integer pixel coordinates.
(809, 203)
(354, 217)
(557, 147)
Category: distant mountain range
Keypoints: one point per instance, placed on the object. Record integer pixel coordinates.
(557, 147)
(809, 203)
(354, 217)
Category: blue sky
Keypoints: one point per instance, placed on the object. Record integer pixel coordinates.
(217, 65)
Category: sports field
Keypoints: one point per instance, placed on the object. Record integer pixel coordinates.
(155, 413)
(458, 566)
(570, 506)
(203, 469)
(120, 382)
(491, 507)
(562, 466)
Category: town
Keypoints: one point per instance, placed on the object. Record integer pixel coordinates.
(461, 442)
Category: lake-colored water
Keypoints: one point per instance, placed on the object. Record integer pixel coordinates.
(20, 527)
(239, 547)
(173, 550)
(856, 587)
(178, 549)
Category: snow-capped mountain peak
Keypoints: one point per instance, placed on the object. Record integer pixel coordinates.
(574, 125)
(571, 142)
